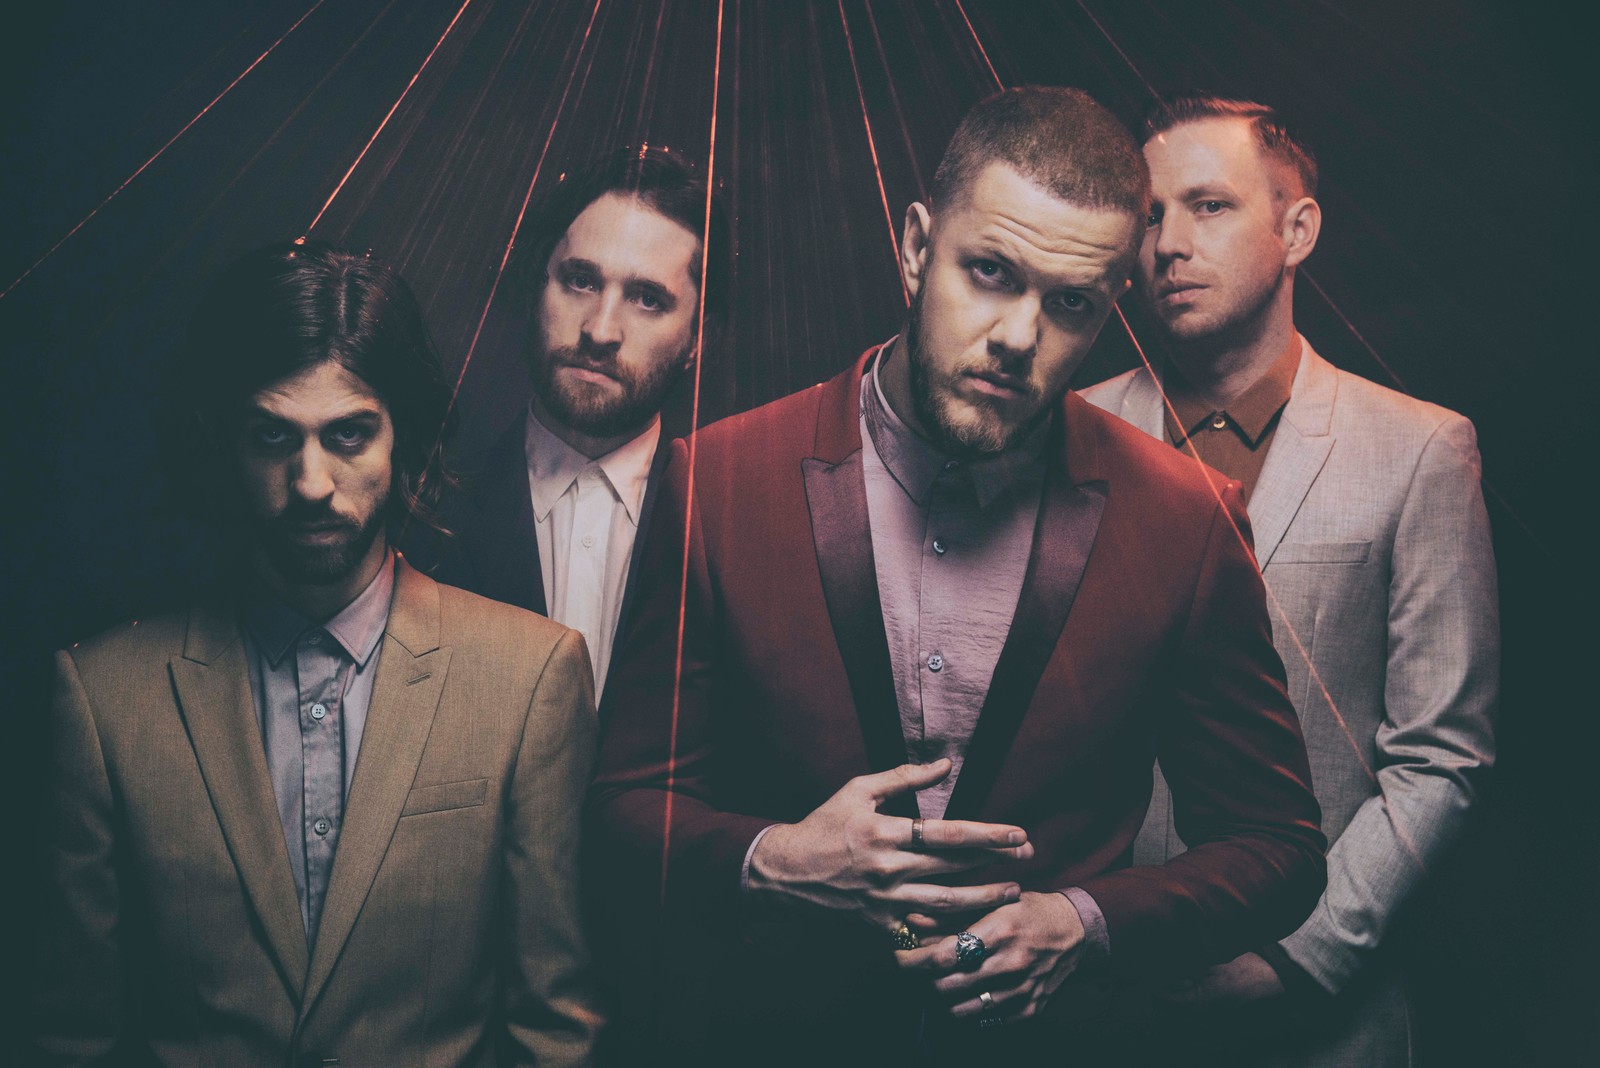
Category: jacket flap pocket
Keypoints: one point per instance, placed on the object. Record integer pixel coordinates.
(445, 795)
(1324, 552)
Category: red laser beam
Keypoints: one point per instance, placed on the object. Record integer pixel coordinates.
(400, 99)
(872, 145)
(899, 112)
(984, 52)
(688, 507)
(170, 141)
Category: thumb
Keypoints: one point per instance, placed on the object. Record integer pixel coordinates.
(905, 778)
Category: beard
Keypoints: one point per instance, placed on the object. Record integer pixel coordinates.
(597, 410)
(964, 429)
(318, 565)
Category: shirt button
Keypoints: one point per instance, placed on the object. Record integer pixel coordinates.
(588, 541)
(935, 662)
(318, 711)
(322, 826)
(938, 546)
(1219, 421)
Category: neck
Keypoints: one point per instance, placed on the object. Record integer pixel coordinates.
(323, 601)
(1223, 366)
(589, 445)
(894, 374)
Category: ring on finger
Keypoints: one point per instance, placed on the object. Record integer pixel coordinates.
(906, 938)
(987, 1000)
(916, 834)
(970, 951)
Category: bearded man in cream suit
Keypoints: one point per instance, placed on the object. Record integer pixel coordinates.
(328, 815)
(1372, 537)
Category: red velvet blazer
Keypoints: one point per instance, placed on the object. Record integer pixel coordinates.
(1141, 635)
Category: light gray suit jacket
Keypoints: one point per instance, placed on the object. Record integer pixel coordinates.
(1371, 533)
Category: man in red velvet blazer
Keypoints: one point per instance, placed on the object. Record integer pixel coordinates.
(875, 765)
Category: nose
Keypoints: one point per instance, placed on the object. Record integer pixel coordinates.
(603, 325)
(1016, 333)
(1172, 237)
(311, 475)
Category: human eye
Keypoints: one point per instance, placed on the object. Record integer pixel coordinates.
(989, 274)
(1152, 218)
(1211, 207)
(268, 437)
(349, 437)
(652, 299)
(1071, 303)
(579, 281)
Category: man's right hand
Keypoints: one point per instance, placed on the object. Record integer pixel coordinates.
(847, 856)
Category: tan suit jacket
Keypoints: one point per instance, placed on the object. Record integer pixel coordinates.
(450, 931)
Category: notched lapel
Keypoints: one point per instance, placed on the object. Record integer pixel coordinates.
(836, 495)
(1297, 454)
(411, 676)
(503, 543)
(212, 683)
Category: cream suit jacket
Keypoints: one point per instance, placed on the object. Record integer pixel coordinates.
(450, 931)
(1371, 534)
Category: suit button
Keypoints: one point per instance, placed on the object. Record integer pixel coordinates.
(322, 826)
(935, 662)
(318, 711)
(939, 546)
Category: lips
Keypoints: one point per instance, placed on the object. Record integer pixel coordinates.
(1177, 291)
(999, 385)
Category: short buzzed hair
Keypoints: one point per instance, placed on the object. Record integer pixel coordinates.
(1273, 135)
(1060, 138)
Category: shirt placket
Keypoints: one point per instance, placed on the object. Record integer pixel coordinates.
(586, 564)
(322, 755)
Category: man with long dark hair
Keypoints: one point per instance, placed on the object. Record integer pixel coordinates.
(610, 280)
(328, 812)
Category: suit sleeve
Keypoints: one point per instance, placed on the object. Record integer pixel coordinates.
(551, 1018)
(1436, 739)
(657, 756)
(1229, 744)
(78, 1012)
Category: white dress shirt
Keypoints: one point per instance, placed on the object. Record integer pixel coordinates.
(586, 515)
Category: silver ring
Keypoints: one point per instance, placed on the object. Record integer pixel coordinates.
(970, 951)
(987, 1000)
(916, 834)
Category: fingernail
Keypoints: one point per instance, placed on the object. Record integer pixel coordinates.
(1016, 838)
(1013, 892)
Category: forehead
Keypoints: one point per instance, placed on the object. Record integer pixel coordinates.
(1004, 213)
(626, 237)
(1204, 152)
(316, 395)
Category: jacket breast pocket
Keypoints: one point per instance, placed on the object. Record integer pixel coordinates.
(1323, 552)
(444, 796)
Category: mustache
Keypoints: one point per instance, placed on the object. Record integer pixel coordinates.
(303, 513)
(587, 355)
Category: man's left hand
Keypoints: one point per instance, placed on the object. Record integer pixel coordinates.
(1031, 946)
(1244, 980)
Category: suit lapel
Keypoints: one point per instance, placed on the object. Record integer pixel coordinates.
(1298, 451)
(505, 547)
(1069, 518)
(405, 695)
(212, 682)
(836, 494)
(647, 506)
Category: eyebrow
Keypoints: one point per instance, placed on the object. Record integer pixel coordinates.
(364, 413)
(581, 264)
(1206, 191)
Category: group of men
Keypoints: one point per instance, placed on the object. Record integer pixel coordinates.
(944, 713)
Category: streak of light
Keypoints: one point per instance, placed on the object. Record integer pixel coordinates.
(894, 95)
(872, 145)
(143, 166)
(1137, 73)
(981, 50)
(362, 155)
(688, 507)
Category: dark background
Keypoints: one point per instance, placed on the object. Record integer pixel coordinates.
(1455, 262)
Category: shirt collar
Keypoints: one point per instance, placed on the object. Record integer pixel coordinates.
(916, 463)
(357, 628)
(553, 466)
(1251, 413)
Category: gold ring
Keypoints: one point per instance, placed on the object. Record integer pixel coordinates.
(916, 834)
(906, 938)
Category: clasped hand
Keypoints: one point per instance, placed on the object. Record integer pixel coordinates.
(849, 857)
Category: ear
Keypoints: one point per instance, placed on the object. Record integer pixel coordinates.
(1302, 222)
(914, 247)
